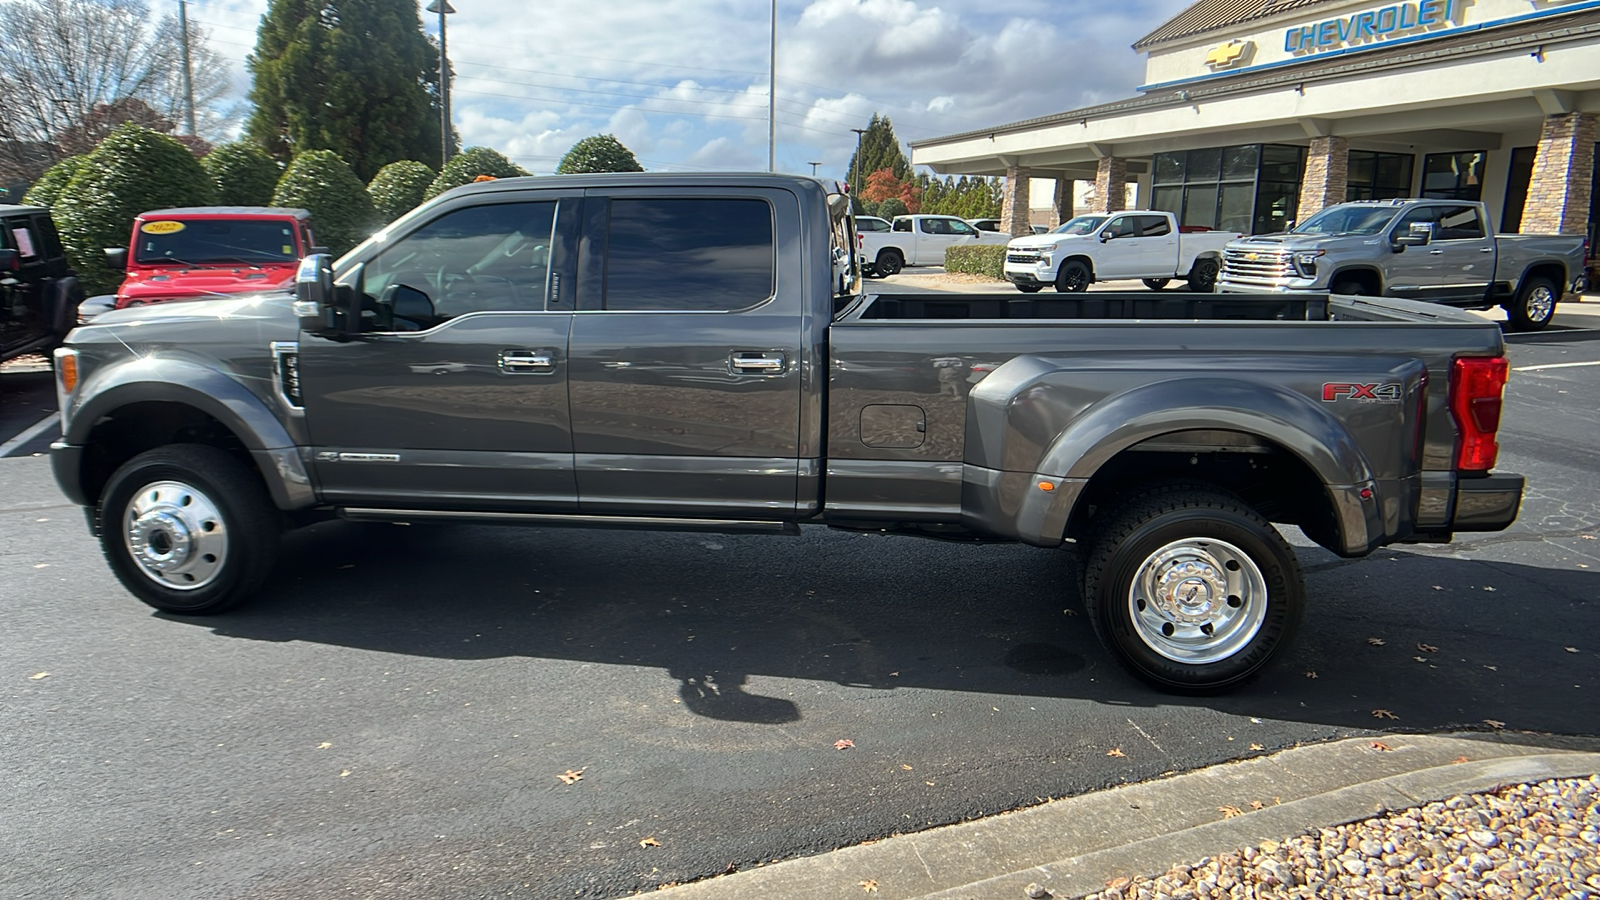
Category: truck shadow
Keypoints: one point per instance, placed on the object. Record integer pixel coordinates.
(1439, 643)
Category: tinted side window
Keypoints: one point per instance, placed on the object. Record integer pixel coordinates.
(902, 224)
(1417, 215)
(1459, 223)
(690, 254)
(1123, 226)
(1153, 226)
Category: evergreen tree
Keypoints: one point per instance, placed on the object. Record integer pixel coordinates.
(341, 212)
(243, 173)
(357, 77)
(470, 165)
(601, 153)
(399, 188)
(880, 149)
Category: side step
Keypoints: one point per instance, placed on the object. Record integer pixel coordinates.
(562, 520)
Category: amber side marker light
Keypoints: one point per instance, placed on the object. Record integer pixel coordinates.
(1047, 486)
(67, 369)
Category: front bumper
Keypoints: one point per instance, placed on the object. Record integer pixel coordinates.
(1488, 502)
(1284, 286)
(1039, 274)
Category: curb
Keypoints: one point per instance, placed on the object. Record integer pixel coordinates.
(1074, 846)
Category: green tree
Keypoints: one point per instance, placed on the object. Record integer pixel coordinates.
(322, 182)
(892, 207)
(357, 77)
(50, 185)
(133, 170)
(601, 153)
(243, 174)
(399, 188)
(470, 165)
(880, 149)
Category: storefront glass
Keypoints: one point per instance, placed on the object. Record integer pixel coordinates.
(1249, 187)
(1453, 176)
(1379, 176)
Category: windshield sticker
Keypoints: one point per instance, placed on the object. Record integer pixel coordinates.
(288, 250)
(161, 227)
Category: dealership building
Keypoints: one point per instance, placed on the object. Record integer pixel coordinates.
(1257, 113)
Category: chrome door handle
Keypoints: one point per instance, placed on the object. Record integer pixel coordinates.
(772, 364)
(1435, 252)
(1485, 249)
(527, 361)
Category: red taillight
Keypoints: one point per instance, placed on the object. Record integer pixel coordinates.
(1476, 385)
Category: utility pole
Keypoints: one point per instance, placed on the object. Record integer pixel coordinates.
(857, 186)
(443, 8)
(188, 72)
(813, 166)
(772, 95)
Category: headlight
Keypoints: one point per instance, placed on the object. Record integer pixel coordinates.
(1306, 262)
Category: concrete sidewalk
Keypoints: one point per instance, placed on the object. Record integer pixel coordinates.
(1075, 846)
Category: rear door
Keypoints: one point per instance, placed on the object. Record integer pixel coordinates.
(934, 235)
(687, 352)
(1158, 247)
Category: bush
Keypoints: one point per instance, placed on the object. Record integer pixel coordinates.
(470, 164)
(399, 187)
(891, 207)
(322, 182)
(601, 153)
(243, 173)
(977, 259)
(133, 170)
(48, 188)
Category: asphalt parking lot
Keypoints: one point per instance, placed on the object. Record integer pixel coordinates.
(391, 717)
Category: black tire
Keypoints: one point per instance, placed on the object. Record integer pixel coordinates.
(1352, 288)
(1139, 526)
(1203, 275)
(1534, 306)
(1073, 277)
(889, 262)
(230, 495)
(1030, 288)
(1156, 284)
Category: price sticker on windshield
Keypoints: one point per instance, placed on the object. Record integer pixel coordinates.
(161, 227)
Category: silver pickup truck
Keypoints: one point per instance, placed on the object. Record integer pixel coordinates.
(1434, 250)
(686, 352)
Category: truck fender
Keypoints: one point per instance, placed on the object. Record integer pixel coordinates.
(218, 395)
(1363, 272)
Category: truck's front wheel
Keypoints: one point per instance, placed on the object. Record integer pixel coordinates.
(188, 529)
(1073, 277)
(1191, 589)
(1534, 306)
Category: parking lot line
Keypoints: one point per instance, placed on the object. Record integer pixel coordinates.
(29, 434)
(1572, 365)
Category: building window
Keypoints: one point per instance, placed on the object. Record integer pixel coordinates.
(1379, 176)
(1517, 181)
(1219, 187)
(1453, 176)
(1278, 188)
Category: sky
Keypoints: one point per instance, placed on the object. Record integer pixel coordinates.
(683, 83)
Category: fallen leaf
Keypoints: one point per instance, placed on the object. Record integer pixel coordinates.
(1570, 649)
(1257, 747)
(1069, 612)
(649, 842)
(869, 886)
(1383, 714)
(1116, 751)
(324, 745)
(344, 774)
(1492, 668)
(1229, 812)
(571, 776)
(845, 744)
(38, 676)
(906, 767)
(1460, 759)
(1427, 648)
(1496, 724)
(1587, 537)
(1256, 804)
(1310, 674)
(1377, 642)
(1381, 747)
(1421, 659)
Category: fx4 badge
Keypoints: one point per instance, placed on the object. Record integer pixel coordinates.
(1388, 392)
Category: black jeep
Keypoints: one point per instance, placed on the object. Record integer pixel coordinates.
(39, 293)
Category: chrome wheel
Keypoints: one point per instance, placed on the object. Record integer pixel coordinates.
(175, 535)
(1541, 303)
(1197, 600)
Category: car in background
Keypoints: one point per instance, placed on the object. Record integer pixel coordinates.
(994, 225)
(205, 252)
(871, 223)
(39, 292)
(1146, 244)
(919, 240)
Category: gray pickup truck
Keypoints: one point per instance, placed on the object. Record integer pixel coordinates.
(1434, 250)
(694, 352)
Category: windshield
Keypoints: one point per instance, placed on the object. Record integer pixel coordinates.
(1080, 225)
(213, 241)
(1348, 220)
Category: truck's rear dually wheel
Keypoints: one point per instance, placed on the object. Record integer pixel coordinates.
(1191, 589)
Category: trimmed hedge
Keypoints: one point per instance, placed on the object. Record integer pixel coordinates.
(977, 259)
(243, 173)
(399, 187)
(133, 170)
(471, 164)
(48, 188)
(891, 207)
(322, 182)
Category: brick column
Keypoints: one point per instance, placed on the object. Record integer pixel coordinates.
(1063, 199)
(1110, 185)
(1327, 175)
(1559, 191)
(1014, 206)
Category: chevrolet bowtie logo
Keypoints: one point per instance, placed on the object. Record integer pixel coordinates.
(1227, 54)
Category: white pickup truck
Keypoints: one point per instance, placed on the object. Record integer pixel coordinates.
(1141, 243)
(918, 241)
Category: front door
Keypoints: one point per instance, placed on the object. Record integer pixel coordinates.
(454, 394)
(1119, 254)
(934, 236)
(1462, 254)
(687, 358)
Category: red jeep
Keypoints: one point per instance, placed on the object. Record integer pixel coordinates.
(210, 251)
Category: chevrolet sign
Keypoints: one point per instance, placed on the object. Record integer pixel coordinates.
(1228, 55)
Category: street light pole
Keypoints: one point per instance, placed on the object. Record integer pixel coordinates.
(772, 95)
(443, 8)
(813, 166)
(188, 77)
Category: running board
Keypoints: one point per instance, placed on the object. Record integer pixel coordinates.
(560, 520)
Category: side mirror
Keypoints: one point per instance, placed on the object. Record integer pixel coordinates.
(1105, 236)
(324, 251)
(117, 258)
(10, 260)
(315, 302)
(1420, 235)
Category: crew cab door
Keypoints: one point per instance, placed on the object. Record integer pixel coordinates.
(1158, 246)
(687, 356)
(934, 235)
(454, 393)
(1455, 266)
(1121, 252)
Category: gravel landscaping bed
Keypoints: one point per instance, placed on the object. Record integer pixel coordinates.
(1528, 840)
